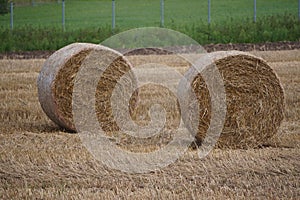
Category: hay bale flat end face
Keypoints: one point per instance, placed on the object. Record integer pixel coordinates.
(56, 82)
(254, 100)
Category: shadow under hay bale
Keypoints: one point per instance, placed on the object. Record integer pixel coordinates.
(254, 100)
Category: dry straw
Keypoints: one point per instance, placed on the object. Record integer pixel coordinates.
(56, 81)
(254, 99)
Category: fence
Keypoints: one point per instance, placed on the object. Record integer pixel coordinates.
(133, 13)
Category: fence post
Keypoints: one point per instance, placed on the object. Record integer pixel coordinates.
(254, 17)
(162, 13)
(63, 16)
(11, 15)
(113, 18)
(208, 15)
(299, 10)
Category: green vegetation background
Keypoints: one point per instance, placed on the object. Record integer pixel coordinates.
(38, 24)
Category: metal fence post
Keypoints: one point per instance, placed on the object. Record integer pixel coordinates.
(11, 15)
(208, 15)
(113, 18)
(254, 17)
(299, 10)
(63, 15)
(162, 13)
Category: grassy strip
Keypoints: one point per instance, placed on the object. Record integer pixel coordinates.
(45, 38)
(267, 29)
(273, 28)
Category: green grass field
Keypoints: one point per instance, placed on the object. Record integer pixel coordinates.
(39, 27)
(140, 13)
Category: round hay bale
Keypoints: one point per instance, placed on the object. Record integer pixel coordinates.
(56, 80)
(254, 99)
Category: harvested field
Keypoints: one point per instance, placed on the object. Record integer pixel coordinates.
(39, 160)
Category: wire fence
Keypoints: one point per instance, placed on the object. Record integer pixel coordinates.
(137, 13)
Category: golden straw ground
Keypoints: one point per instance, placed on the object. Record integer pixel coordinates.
(39, 161)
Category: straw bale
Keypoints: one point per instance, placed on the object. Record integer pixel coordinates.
(254, 100)
(56, 81)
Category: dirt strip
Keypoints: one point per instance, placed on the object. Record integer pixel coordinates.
(268, 46)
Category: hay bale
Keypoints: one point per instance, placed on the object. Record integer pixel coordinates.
(254, 99)
(56, 81)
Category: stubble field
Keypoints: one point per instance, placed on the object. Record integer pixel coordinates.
(38, 160)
